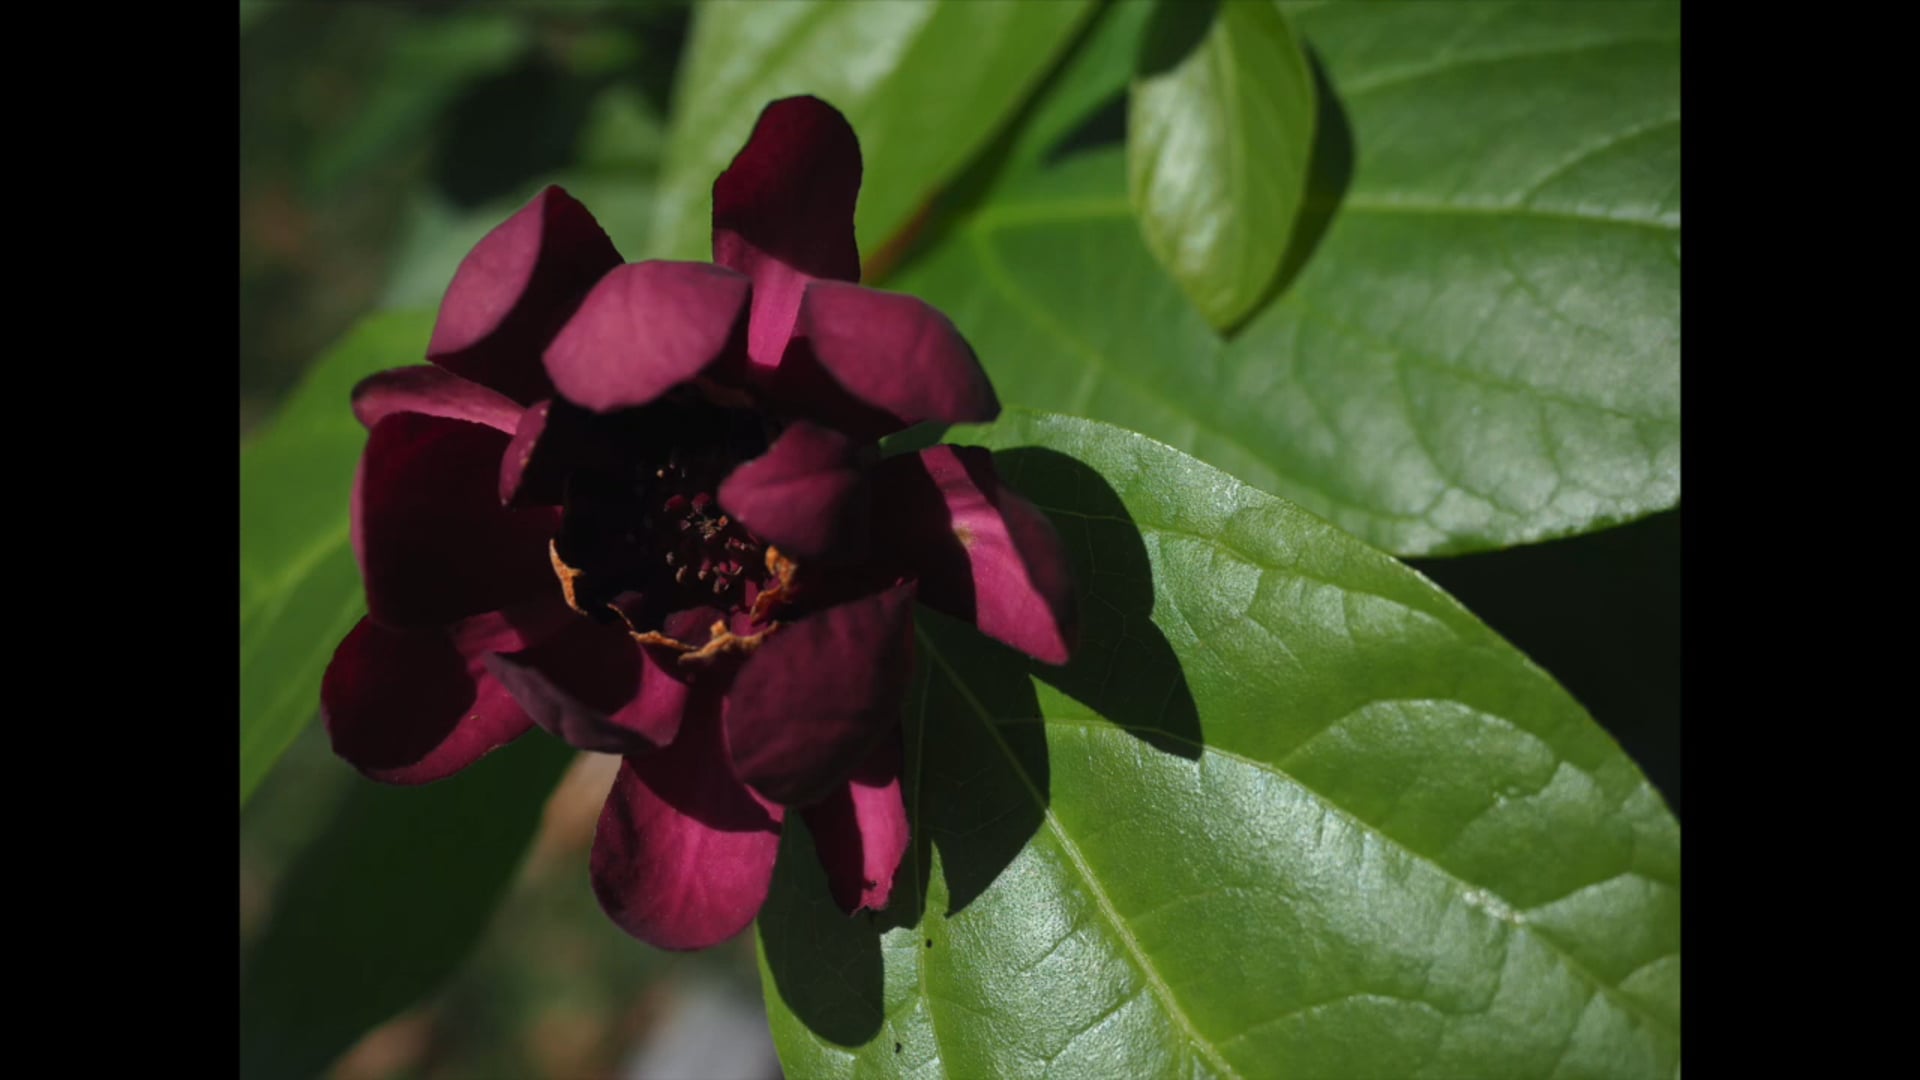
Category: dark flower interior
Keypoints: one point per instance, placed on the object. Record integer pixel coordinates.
(643, 540)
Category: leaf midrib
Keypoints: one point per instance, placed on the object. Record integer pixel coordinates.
(1463, 887)
(1151, 974)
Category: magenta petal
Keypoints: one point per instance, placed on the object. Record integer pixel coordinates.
(776, 305)
(783, 214)
(595, 688)
(406, 707)
(788, 197)
(860, 832)
(899, 358)
(807, 494)
(982, 553)
(433, 541)
(424, 388)
(552, 439)
(646, 328)
(515, 290)
(810, 703)
(684, 852)
(528, 474)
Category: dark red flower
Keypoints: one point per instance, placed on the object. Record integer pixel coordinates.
(642, 507)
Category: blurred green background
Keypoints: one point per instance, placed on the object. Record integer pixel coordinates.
(378, 143)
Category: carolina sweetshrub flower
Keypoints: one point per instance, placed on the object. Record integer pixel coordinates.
(642, 506)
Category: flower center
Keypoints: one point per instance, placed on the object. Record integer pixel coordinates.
(644, 540)
(707, 551)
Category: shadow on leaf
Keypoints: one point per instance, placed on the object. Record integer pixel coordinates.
(975, 792)
(1104, 126)
(826, 965)
(1329, 174)
(977, 776)
(1174, 30)
(1124, 671)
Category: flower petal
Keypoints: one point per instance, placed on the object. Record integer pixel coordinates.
(894, 359)
(433, 541)
(552, 438)
(789, 194)
(594, 688)
(515, 290)
(424, 388)
(407, 707)
(684, 852)
(982, 553)
(807, 494)
(860, 831)
(810, 703)
(523, 480)
(646, 328)
(783, 213)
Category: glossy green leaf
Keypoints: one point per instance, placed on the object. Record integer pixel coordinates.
(924, 85)
(1290, 811)
(384, 905)
(299, 588)
(1218, 140)
(1476, 342)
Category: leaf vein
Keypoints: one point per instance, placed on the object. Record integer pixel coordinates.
(1360, 87)
(1110, 727)
(1098, 895)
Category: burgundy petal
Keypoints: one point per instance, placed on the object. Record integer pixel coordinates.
(896, 360)
(407, 707)
(646, 328)
(810, 703)
(981, 552)
(552, 438)
(523, 481)
(790, 192)
(433, 541)
(515, 290)
(860, 831)
(783, 213)
(684, 852)
(424, 388)
(807, 494)
(595, 688)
